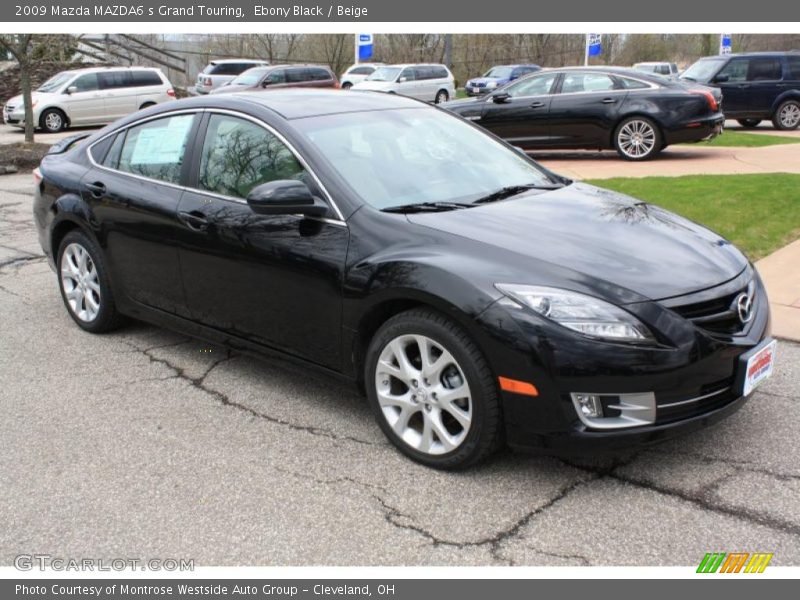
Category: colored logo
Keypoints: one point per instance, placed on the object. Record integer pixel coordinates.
(734, 562)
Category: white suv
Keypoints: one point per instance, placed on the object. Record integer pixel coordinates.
(93, 96)
(357, 73)
(429, 82)
(221, 72)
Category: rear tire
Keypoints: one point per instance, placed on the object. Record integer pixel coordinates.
(637, 138)
(442, 411)
(84, 284)
(748, 123)
(52, 120)
(347, 85)
(441, 96)
(787, 117)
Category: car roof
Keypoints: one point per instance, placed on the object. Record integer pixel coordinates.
(108, 68)
(299, 103)
(746, 54)
(421, 64)
(236, 60)
(621, 71)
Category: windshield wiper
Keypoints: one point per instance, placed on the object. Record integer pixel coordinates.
(513, 190)
(426, 207)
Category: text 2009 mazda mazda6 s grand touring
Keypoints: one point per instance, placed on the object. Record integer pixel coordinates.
(476, 297)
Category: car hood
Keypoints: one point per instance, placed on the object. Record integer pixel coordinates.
(374, 85)
(476, 80)
(35, 96)
(600, 235)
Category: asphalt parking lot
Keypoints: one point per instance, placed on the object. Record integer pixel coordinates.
(144, 443)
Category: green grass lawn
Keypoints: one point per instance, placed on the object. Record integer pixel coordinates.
(738, 139)
(759, 213)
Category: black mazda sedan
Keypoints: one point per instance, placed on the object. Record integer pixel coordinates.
(477, 298)
(597, 108)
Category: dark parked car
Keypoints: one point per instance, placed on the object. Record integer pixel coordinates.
(497, 77)
(757, 86)
(280, 76)
(597, 108)
(475, 296)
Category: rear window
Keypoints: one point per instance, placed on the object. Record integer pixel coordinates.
(439, 73)
(143, 78)
(765, 69)
(228, 68)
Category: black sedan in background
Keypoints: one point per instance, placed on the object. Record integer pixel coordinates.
(476, 297)
(597, 108)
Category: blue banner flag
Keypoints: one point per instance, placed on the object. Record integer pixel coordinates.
(364, 46)
(725, 43)
(595, 42)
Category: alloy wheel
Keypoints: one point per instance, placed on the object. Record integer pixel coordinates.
(636, 139)
(80, 282)
(53, 121)
(423, 394)
(790, 115)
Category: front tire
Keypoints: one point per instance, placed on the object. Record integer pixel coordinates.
(441, 96)
(347, 85)
(52, 120)
(787, 117)
(637, 138)
(432, 391)
(83, 281)
(748, 123)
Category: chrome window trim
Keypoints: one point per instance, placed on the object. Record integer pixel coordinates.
(198, 111)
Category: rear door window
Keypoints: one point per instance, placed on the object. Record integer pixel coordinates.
(156, 149)
(297, 75)
(794, 67)
(586, 82)
(110, 80)
(765, 69)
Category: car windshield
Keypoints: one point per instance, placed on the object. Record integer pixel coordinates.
(412, 156)
(385, 74)
(249, 77)
(703, 70)
(55, 82)
(498, 72)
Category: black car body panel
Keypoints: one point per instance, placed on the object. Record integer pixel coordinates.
(314, 290)
(563, 120)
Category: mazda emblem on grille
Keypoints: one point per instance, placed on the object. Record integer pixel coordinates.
(744, 307)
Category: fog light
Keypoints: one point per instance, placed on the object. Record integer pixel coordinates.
(589, 405)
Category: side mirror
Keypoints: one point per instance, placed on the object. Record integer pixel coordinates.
(285, 197)
(501, 97)
(402, 79)
(721, 78)
(72, 89)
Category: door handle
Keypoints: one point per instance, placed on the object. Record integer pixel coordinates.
(608, 100)
(96, 189)
(537, 104)
(194, 220)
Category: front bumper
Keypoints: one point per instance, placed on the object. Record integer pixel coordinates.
(693, 375)
(15, 117)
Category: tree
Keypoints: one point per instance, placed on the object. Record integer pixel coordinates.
(19, 46)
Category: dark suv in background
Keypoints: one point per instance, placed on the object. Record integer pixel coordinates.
(755, 86)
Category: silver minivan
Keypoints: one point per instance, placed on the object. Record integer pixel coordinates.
(428, 82)
(92, 96)
(221, 72)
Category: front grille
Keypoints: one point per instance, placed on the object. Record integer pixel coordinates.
(720, 314)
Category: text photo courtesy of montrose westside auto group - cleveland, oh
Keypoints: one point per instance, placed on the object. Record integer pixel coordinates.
(338, 299)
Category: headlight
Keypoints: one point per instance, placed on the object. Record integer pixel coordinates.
(579, 312)
(491, 84)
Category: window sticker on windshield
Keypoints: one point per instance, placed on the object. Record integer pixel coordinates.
(162, 145)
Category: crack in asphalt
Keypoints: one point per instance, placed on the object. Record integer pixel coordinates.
(18, 261)
(700, 499)
(395, 517)
(199, 383)
(741, 466)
